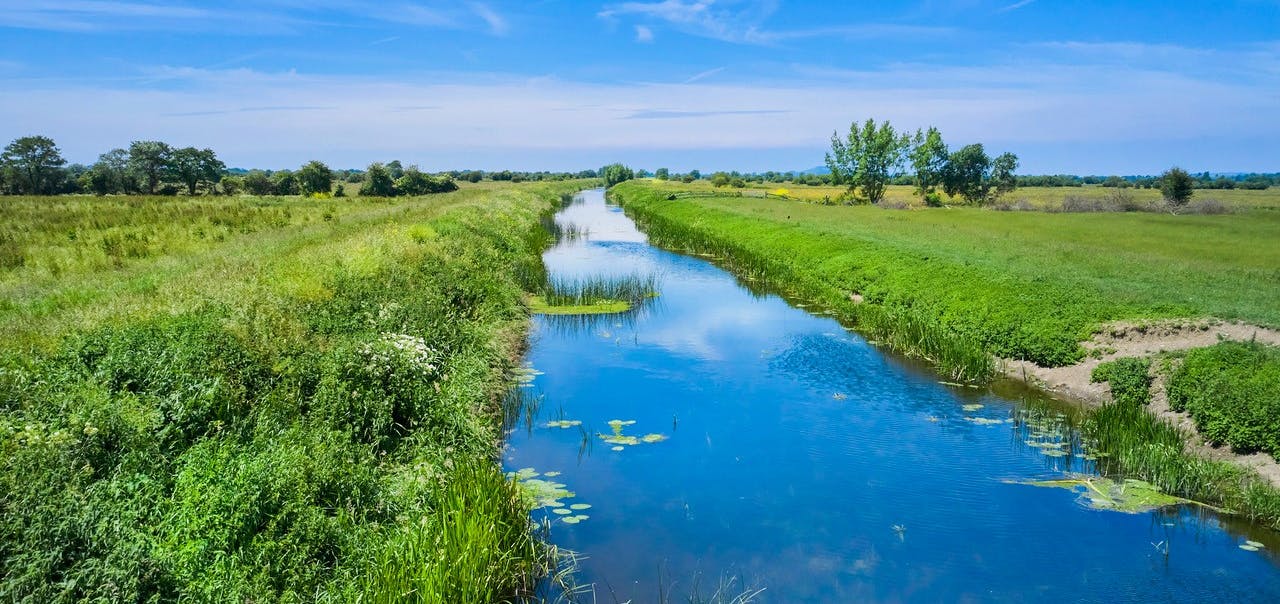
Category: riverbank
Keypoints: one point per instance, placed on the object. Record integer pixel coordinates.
(959, 286)
(265, 399)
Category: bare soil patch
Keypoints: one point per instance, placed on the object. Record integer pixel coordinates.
(1144, 340)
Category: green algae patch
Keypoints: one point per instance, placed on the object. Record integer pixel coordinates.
(539, 305)
(1129, 496)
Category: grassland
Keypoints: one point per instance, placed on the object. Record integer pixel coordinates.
(1032, 198)
(1019, 285)
(263, 399)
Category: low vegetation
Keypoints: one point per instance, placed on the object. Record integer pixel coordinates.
(264, 399)
(1232, 391)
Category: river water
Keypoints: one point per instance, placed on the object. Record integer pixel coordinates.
(799, 458)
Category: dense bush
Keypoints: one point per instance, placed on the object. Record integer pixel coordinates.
(1129, 379)
(1232, 391)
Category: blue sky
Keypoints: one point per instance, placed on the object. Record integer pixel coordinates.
(1080, 87)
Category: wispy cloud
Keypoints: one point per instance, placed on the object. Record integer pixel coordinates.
(285, 108)
(644, 34)
(384, 40)
(668, 115)
(744, 21)
(1015, 6)
(704, 75)
(497, 23)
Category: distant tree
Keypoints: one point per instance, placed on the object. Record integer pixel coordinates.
(720, 179)
(966, 174)
(737, 183)
(150, 160)
(1001, 178)
(662, 174)
(616, 173)
(256, 182)
(378, 182)
(231, 185)
(34, 164)
(866, 157)
(415, 182)
(284, 182)
(194, 167)
(696, 175)
(928, 157)
(315, 177)
(395, 169)
(1176, 186)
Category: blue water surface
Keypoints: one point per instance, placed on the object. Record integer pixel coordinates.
(803, 460)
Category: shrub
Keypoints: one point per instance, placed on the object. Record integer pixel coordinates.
(1232, 391)
(1129, 378)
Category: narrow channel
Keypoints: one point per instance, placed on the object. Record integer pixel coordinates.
(790, 454)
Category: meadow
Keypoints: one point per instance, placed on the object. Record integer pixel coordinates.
(264, 399)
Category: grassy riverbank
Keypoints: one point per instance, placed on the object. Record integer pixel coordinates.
(959, 285)
(263, 399)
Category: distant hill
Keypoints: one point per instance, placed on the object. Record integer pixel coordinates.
(820, 170)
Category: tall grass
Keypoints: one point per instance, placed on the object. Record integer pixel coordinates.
(301, 411)
(580, 291)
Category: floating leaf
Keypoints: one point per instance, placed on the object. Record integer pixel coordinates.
(1248, 548)
(580, 506)
(973, 406)
(618, 423)
(653, 438)
(570, 520)
(551, 474)
(564, 423)
(839, 396)
(1256, 544)
(618, 448)
(561, 511)
(1129, 496)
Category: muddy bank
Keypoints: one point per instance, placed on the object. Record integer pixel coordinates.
(1148, 339)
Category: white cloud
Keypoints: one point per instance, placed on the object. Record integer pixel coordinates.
(497, 23)
(1015, 6)
(644, 34)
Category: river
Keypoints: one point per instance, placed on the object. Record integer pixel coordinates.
(792, 455)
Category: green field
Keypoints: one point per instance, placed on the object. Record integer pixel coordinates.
(264, 399)
(1019, 285)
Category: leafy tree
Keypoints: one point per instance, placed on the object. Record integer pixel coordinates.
(194, 167)
(340, 190)
(928, 156)
(33, 163)
(966, 174)
(616, 173)
(720, 179)
(866, 157)
(395, 169)
(414, 182)
(1176, 186)
(662, 174)
(378, 182)
(256, 182)
(315, 177)
(1002, 178)
(231, 184)
(284, 182)
(150, 159)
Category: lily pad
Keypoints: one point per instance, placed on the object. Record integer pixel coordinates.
(1257, 544)
(985, 421)
(973, 406)
(564, 423)
(618, 423)
(562, 511)
(1248, 548)
(653, 438)
(551, 474)
(1129, 496)
(580, 506)
(570, 520)
(617, 448)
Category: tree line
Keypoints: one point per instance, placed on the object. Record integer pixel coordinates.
(870, 156)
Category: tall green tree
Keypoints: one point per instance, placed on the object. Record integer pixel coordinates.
(256, 182)
(662, 174)
(928, 156)
(284, 182)
(966, 174)
(378, 182)
(867, 157)
(1002, 178)
(34, 163)
(1176, 186)
(193, 167)
(151, 160)
(616, 173)
(315, 177)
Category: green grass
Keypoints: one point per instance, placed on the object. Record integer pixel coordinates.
(264, 400)
(1232, 391)
(970, 282)
(1129, 378)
